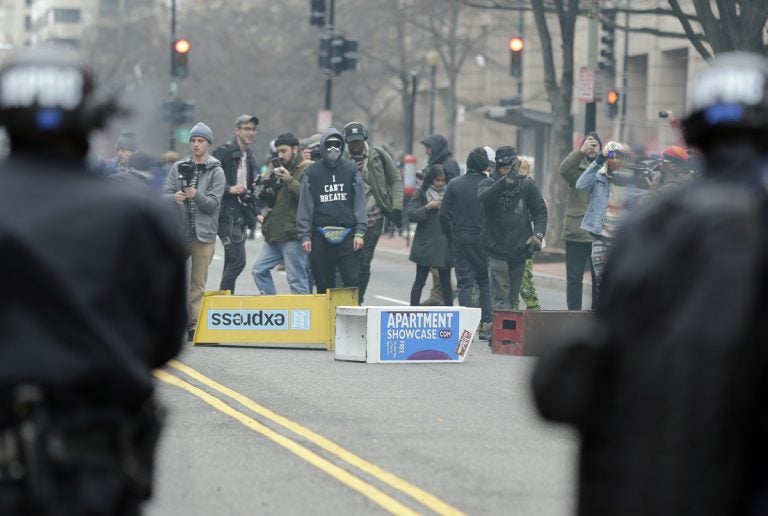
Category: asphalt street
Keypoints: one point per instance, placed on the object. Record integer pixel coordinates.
(292, 431)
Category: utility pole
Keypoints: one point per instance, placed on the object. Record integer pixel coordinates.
(328, 71)
(624, 77)
(590, 112)
(174, 87)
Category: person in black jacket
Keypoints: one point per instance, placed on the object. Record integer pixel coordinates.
(237, 209)
(510, 202)
(461, 223)
(436, 147)
(331, 219)
(95, 302)
(430, 248)
(670, 403)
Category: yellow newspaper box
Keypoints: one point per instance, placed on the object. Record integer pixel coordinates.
(290, 320)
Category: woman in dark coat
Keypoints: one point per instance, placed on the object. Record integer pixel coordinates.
(430, 247)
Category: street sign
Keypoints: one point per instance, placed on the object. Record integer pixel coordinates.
(324, 119)
(182, 135)
(586, 85)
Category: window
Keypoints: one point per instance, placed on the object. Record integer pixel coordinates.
(27, 22)
(107, 7)
(66, 15)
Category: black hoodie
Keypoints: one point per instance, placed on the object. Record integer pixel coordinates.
(441, 154)
(331, 194)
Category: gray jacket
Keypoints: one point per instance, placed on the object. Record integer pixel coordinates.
(210, 190)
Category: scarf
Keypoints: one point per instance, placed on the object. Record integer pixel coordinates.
(433, 194)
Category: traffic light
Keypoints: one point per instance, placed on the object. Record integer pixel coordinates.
(516, 46)
(613, 103)
(608, 40)
(317, 13)
(178, 112)
(340, 61)
(180, 58)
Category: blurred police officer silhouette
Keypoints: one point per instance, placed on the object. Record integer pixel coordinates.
(667, 386)
(82, 258)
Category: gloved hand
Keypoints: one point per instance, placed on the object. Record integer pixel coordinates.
(396, 217)
(513, 176)
(534, 243)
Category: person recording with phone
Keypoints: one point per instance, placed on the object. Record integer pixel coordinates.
(197, 184)
(281, 241)
(578, 243)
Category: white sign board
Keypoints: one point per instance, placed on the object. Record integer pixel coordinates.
(586, 84)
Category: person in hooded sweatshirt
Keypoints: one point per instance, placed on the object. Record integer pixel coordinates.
(331, 219)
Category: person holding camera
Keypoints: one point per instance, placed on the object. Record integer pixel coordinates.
(514, 221)
(383, 187)
(613, 189)
(280, 192)
(578, 243)
(237, 208)
(197, 184)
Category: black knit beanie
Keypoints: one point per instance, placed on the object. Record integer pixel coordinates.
(287, 139)
(477, 161)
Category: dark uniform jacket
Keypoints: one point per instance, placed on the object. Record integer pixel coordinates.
(509, 219)
(93, 296)
(670, 402)
(430, 245)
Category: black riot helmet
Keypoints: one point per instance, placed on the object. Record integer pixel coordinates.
(727, 100)
(46, 95)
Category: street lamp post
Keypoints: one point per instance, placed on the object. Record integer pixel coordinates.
(433, 60)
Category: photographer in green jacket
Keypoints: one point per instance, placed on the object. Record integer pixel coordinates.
(578, 243)
(383, 192)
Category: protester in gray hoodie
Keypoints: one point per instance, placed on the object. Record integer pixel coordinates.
(197, 184)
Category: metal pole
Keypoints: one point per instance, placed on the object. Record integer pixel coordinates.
(328, 71)
(432, 95)
(590, 112)
(519, 131)
(174, 85)
(624, 79)
(411, 115)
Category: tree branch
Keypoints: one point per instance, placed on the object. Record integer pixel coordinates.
(695, 41)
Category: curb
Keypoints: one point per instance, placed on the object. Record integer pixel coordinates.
(543, 280)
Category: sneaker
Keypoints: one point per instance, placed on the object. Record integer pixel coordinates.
(430, 302)
(486, 331)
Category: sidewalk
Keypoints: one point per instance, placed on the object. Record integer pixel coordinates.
(550, 274)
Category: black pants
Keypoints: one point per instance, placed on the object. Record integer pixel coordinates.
(472, 267)
(422, 271)
(325, 258)
(369, 247)
(234, 263)
(578, 255)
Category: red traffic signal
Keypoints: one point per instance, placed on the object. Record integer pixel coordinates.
(181, 46)
(613, 103)
(516, 44)
(180, 58)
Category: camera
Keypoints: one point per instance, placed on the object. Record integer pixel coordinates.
(276, 163)
(643, 172)
(663, 114)
(315, 155)
(187, 172)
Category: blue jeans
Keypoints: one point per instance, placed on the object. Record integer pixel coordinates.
(296, 263)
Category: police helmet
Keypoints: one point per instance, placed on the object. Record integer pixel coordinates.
(354, 131)
(48, 92)
(731, 95)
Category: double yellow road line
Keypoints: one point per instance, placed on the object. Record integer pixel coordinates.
(371, 492)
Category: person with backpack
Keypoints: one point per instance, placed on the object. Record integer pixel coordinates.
(383, 188)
